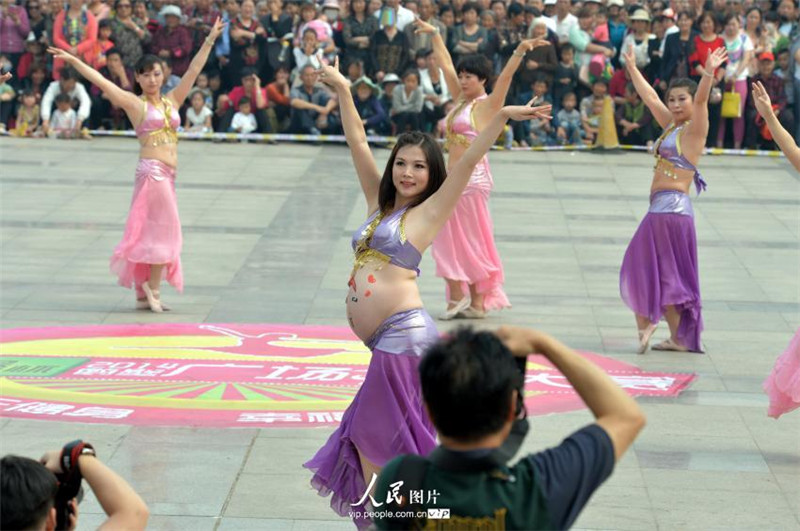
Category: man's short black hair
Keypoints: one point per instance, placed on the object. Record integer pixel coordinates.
(467, 383)
(27, 492)
(515, 9)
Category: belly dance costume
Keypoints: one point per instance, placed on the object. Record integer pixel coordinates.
(153, 229)
(783, 384)
(387, 417)
(660, 265)
(464, 249)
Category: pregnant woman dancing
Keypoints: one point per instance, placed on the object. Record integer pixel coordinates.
(407, 205)
(659, 275)
(151, 245)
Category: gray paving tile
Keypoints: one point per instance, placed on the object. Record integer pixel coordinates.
(267, 232)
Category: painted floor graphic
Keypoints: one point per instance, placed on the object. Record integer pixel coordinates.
(227, 375)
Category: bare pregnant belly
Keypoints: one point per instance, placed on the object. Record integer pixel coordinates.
(376, 294)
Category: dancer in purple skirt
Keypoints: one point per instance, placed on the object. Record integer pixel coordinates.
(407, 205)
(659, 275)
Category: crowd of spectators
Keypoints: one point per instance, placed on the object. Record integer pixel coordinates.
(262, 75)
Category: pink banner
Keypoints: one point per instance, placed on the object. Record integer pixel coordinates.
(227, 375)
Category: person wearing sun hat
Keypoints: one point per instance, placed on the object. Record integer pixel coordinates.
(173, 41)
(372, 113)
(639, 38)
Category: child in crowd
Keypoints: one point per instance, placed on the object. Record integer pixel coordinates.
(170, 80)
(202, 84)
(388, 84)
(524, 131)
(96, 55)
(566, 76)
(591, 123)
(64, 120)
(198, 115)
(244, 121)
(407, 103)
(568, 119)
(309, 47)
(27, 115)
(634, 121)
(7, 95)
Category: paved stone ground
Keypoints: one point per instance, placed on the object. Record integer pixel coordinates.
(267, 240)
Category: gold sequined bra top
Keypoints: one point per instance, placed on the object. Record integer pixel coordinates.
(460, 127)
(669, 155)
(159, 126)
(383, 238)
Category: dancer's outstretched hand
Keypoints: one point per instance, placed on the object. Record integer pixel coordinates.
(630, 57)
(529, 44)
(330, 75)
(716, 58)
(761, 100)
(216, 29)
(527, 112)
(64, 55)
(423, 27)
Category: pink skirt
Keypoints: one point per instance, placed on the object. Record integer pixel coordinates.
(153, 230)
(464, 250)
(783, 384)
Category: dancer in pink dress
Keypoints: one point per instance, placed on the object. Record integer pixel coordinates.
(150, 249)
(464, 251)
(783, 384)
(407, 204)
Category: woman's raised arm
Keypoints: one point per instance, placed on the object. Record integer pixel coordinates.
(782, 137)
(437, 208)
(443, 59)
(646, 92)
(128, 101)
(367, 171)
(179, 93)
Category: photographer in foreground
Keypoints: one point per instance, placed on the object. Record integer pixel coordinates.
(44, 495)
(472, 386)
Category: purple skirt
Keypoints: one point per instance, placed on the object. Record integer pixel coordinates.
(386, 418)
(660, 267)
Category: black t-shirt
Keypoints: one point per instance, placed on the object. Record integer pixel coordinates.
(545, 490)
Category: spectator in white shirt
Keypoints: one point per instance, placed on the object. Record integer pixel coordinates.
(244, 121)
(67, 84)
(434, 90)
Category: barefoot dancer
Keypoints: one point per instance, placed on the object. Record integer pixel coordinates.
(464, 250)
(659, 275)
(407, 205)
(151, 245)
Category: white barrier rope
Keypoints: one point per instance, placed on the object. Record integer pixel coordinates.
(340, 139)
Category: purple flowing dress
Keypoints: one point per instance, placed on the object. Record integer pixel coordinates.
(660, 266)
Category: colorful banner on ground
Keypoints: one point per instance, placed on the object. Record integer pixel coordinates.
(226, 375)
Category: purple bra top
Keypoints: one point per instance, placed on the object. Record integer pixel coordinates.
(384, 237)
(668, 147)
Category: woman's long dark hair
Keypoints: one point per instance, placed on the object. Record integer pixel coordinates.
(437, 171)
(145, 64)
